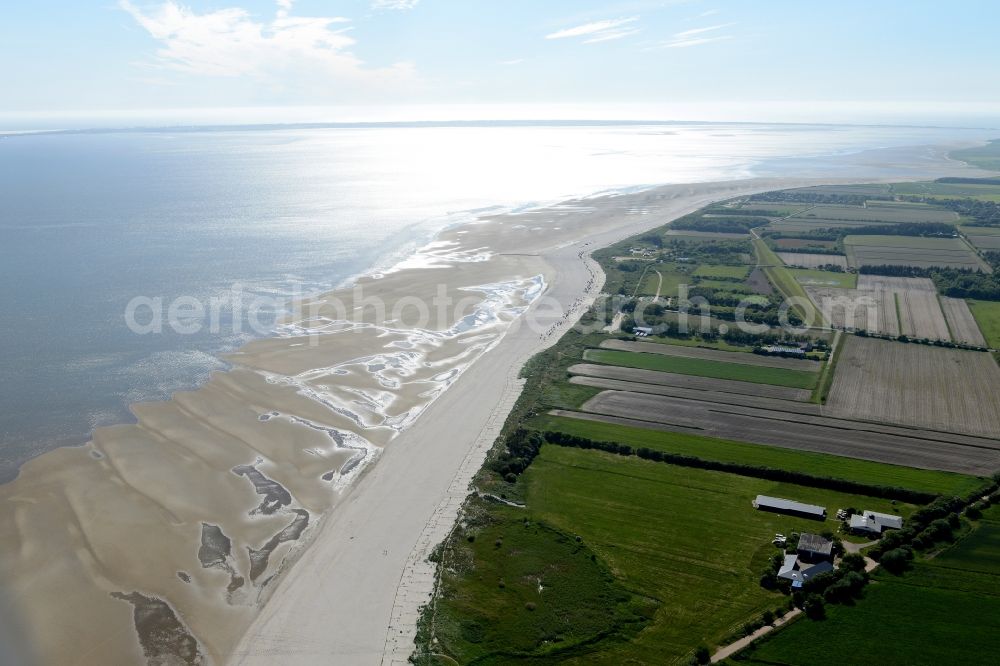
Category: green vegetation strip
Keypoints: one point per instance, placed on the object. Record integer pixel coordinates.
(704, 368)
(817, 464)
(786, 283)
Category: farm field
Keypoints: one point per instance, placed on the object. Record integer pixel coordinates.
(812, 260)
(709, 448)
(890, 283)
(742, 358)
(707, 585)
(789, 426)
(869, 310)
(815, 278)
(920, 315)
(719, 271)
(791, 244)
(980, 191)
(875, 214)
(703, 368)
(948, 608)
(687, 234)
(911, 251)
(983, 238)
(917, 385)
(689, 381)
(987, 315)
(961, 323)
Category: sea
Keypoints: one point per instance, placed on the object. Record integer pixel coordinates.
(106, 228)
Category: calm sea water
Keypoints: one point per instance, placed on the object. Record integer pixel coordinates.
(89, 221)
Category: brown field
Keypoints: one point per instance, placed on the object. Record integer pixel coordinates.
(963, 325)
(983, 238)
(896, 283)
(917, 385)
(921, 252)
(689, 381)
(796, 243)
(887, 306)
(794, 428)
(808, 260)
(920, 315)
(705, 396)
(857, 309)
(684, 234)
(876, 214)
(743, 358)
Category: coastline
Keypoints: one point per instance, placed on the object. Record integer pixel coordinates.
(266, 429)
(378, 610)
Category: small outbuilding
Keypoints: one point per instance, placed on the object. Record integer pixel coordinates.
(779, 505)
(873, 522)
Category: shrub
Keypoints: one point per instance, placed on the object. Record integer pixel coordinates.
(896, 561)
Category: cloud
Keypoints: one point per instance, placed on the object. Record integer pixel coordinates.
(685, 34)
(610, 35)
(685, 43)
(599, 31)
(307, 51)
(688, 38)
(516, 61)
(394, 4)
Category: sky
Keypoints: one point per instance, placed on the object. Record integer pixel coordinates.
(328, 60)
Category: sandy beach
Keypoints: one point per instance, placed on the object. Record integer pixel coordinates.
(283, 512)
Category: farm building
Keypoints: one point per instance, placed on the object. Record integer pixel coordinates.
(799, 572)
(873, 522)
(643, 331)
(814, 548)
(779, 505)
(784, 349)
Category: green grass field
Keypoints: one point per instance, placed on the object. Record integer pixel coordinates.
(708, 448)
(945, 611)
(987, 314)
(701, 561)
(722, 271)
(672, 279)
(815, 278)
(704, 368)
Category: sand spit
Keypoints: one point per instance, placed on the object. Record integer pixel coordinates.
(159, 542)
